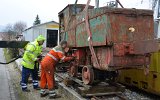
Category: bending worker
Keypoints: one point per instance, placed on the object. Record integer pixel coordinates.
(48, 67)
(32, 52)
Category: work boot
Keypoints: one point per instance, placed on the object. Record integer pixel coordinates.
(43, 93)
(52, 94)
(26, 90)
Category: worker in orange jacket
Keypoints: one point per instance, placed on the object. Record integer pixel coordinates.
(48, 67)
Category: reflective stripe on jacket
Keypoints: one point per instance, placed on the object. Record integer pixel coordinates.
(32, 51)
(56, 54)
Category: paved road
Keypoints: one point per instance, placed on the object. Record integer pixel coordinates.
(6, 91)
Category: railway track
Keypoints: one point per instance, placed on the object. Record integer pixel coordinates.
(134, 96)
(113, 97)
(126, 94)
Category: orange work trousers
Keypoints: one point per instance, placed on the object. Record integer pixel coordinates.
(47, 75)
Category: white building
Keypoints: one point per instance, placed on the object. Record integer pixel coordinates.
(50, 30)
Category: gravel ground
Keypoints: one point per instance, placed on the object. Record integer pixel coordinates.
(132, 95)
(139, 95)
(135, 96)
(34, 94)
(15, 81)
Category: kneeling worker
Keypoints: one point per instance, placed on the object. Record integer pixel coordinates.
(32, 51)
(48, 67)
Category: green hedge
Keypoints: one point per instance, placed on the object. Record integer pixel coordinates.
(10, 53)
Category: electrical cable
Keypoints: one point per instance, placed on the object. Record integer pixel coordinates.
(4, 63)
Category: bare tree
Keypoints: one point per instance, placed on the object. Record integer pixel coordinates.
(12, 31)
(8, 32)
(19, 27)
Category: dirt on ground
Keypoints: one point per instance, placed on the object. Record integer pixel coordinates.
(15, 75)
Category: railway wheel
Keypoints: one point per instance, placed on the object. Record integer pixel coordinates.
(73, 70)
(88, 74)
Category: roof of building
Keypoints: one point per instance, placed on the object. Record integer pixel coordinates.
(41, 24)
(76, 5)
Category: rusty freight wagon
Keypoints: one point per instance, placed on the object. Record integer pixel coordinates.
(106, 39)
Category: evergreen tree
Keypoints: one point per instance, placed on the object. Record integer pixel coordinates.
(37, 21)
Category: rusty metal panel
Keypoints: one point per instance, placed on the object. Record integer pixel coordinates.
(141, 47)
(105, 56)
(68, 22)
(120, 25)
(121, 37)
(98, 27)
(107, 59)
(80, 56)
(70, 35)
(66, 18)
(112, 25)
(129, 61)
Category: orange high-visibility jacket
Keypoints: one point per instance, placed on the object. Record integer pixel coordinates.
(56, 54)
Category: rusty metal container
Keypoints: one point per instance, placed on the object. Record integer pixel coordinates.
(121, 37)
(67, 18)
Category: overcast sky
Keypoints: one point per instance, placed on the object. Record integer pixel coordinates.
(12, 11)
